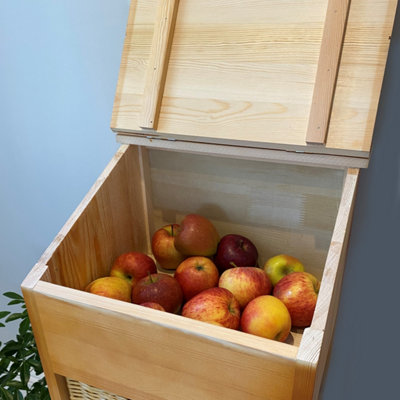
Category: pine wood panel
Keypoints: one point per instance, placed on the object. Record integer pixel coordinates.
(128, 351)
(238, 75)
(316, 341)
(110, 220)
(281, 208)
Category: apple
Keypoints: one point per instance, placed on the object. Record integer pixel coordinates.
(235, 250)
(268, 317)
(111, 286)
(133, 266)
(153, 305)
(299, 292)
(196, 274)
(159, 288)
(216, 305)
(197, 236)
(278, 266)
(246, 283)
(163, 247)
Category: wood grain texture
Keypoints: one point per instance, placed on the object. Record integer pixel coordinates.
(241, 76)
(328, 304)
(316, 341)
(281, 208)
(307, 362)
(292, 156)
(56, 384)
(158, 62)
(109, 221)
(129, 351)
(328, 67)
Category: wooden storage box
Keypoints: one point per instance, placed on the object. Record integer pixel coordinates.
(241, 114)
(139, 353)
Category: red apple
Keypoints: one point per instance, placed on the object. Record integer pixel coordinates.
(197, 236)
(216, 305)
(246, 283)
(151, 304)
(278, 266)
(112, 287)
(268, 317)
(235, 250)
(299, 292)
(159, 288)
(196, 274)
(133, 266)
(163, 247)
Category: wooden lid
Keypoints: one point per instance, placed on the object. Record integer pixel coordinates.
(295, 75)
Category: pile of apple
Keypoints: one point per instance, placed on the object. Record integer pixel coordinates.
(215, 280)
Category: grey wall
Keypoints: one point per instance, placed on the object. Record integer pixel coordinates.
(59, 63)
(365, 351)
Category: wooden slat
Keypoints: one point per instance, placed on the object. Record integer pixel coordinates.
(328, 66)
(158, 62)
(250, 153)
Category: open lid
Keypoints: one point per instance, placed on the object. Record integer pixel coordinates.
(298, 75)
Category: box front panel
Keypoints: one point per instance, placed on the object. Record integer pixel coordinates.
(138, 359)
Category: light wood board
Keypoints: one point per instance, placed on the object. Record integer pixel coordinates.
(244, 74)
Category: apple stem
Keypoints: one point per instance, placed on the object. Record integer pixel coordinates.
(233, 264)
(150, 278)
(172, 230)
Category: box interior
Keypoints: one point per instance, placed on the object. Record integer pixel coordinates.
(281, 208)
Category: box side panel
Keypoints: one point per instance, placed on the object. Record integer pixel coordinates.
(112, 219)
(140, 359)
(316, 341)
(281, 208)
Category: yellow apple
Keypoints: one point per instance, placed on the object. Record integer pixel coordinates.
(281, 265)
(268, 317)
(111, 286)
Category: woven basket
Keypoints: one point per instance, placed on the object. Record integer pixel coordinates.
(82, 391)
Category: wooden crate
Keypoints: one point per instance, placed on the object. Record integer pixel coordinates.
(139, 353)
(257, 116)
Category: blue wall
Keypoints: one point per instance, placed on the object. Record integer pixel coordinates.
(59, 64)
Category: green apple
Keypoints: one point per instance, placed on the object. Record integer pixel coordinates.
(281, 265)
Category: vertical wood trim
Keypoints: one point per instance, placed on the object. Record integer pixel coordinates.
(158, 63)
(145, 181)
(316, 341)
(327, 70)
(307, 361)
(56, 384)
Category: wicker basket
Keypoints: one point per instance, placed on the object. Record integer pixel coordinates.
(82, 391)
